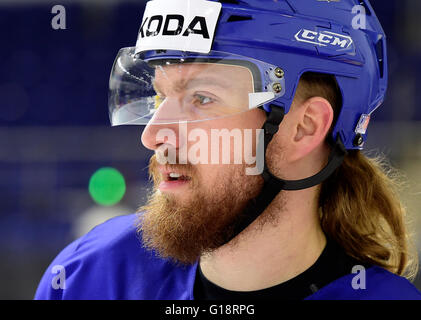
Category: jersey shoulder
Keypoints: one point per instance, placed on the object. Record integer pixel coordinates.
(109, 262)
(374, 283)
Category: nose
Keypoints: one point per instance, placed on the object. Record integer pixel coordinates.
(155, 135)
(163, 127)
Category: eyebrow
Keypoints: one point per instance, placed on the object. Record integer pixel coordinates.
(188, 84)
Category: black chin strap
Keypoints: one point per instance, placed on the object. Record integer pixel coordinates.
(273, 185)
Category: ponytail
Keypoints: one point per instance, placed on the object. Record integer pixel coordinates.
(361, 210)
(359, 205)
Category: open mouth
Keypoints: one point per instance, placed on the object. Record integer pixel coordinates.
(173, 176)
(173, 179)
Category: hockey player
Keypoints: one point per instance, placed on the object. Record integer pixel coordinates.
(288, 207)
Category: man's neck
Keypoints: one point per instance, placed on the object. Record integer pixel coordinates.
(264, 256)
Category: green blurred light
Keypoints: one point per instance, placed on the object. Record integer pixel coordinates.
(107, 186)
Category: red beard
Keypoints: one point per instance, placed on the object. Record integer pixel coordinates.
(184, 230)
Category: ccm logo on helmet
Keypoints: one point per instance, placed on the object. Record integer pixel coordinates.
(173, 25)
(324, 38)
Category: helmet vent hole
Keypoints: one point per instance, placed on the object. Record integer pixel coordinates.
(380, 57)
(230, 1)
(235, 18)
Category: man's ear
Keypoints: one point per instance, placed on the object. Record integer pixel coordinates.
(311, 123)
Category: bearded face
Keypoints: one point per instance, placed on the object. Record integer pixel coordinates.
(194, 209)
(184, 226)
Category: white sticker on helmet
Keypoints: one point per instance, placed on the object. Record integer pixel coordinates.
(259, 98)
(186, 25)
(325, 39)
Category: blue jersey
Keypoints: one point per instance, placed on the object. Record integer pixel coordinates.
(110, 262)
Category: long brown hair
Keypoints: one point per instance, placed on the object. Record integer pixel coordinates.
(359, 204)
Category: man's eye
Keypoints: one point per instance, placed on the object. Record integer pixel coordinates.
(202, 100)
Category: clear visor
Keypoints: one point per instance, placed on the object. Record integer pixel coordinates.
(165, 90)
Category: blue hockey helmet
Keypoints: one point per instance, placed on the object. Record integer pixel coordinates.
(276, 40)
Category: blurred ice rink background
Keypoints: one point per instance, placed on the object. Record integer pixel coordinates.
(55, 132)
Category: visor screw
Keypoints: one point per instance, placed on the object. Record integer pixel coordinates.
(279, 73)
(277, 87)
(359, 140)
